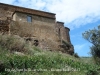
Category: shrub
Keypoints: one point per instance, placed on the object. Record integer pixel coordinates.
(91, 72)
(76, 55)
(2, 68)
(93, 36)
(12, 43)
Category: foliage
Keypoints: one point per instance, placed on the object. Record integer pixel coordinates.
(93, 36)
(92, 72)
(41, 62)
(12, 43)
(76, 55)
(38, 63)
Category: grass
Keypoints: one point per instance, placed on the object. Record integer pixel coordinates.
(34, 61)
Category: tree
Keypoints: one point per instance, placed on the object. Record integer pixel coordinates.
(93, 36)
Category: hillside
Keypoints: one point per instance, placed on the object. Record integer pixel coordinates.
(20, 58)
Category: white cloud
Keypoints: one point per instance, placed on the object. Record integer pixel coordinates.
(73, 12)
(76, 12)
(83, 49)
(79, 47)
(31, 3)
(7, 1)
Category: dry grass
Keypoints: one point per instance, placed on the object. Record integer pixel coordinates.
(13, 43)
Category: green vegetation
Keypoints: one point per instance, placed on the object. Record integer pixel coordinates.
(30, 60)
(76, 55)
(93, 36)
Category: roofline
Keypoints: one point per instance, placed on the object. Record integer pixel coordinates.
(48, 14)
(67, 28)
(60, 22)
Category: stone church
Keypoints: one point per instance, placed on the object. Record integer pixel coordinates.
(37, 26)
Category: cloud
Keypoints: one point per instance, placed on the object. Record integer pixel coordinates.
(79, 47)
(30, 3)
(74, 13)
(7, 1)
(83, 49)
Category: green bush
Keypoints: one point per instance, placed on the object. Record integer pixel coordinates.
(76, 55)
(93, 36)
(91, 72)
(46, 62)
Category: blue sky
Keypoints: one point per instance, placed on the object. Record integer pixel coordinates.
(78, 15)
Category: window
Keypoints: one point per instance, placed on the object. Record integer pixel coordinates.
(29, 18)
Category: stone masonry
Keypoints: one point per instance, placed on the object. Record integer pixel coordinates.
(38, 27)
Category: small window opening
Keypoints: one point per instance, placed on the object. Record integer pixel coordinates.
(36, 42)
(29, 18)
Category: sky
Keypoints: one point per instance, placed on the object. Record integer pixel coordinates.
(78, 15)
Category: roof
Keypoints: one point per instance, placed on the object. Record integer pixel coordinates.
(28, 10)
(60, 22)
(67, 28)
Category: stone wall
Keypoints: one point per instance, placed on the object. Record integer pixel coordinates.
(4, 13)
(5, 19)
(63, 32)
(67, 34)
(19, 16)
(12, 8)
(43, 29)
